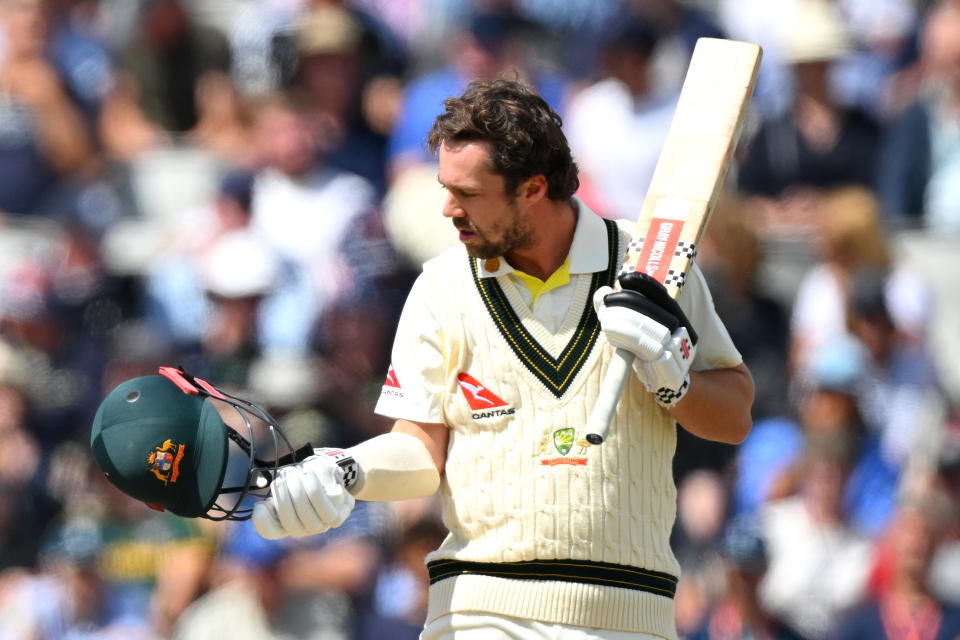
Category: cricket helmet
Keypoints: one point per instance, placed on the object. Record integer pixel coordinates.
(161, 439)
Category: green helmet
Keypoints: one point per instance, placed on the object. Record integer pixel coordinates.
(161, 440)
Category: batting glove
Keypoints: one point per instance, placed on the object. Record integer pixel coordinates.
(644, 320)
(306, 498)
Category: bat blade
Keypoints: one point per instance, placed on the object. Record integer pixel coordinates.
(688, 178)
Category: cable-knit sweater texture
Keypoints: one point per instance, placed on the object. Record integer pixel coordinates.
(519, 485)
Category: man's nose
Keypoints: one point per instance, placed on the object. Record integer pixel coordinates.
(452, 208)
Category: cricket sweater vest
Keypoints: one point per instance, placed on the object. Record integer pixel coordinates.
(542, 524)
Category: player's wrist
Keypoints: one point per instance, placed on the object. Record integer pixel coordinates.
(348, 466)
(668, 398)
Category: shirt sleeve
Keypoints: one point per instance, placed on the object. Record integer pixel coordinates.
(715, 348)
(414, 388)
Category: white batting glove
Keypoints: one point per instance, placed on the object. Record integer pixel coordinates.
(627, 329)
(663, 357)
(668, 377)
(306, 498)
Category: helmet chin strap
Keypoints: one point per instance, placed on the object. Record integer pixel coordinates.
(260, 473)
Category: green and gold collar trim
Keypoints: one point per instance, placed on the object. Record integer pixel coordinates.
(556, 374)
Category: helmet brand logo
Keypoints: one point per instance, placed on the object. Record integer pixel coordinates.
(164, 461)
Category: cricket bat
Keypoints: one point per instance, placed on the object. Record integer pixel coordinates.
(686, 182)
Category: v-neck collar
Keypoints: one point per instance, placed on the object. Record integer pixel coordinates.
(556, 373)
(587, 250)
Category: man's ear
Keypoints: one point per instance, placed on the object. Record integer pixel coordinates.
(533, 189)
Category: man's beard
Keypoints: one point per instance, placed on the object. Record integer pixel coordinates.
(517, 235)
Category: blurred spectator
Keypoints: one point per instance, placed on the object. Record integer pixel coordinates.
(818, 565)
(305, 211)
(679, 26)
(176, 304)
(702, 507)
(762, 22)
(903, 389)
(48, 314)
(172, 53)
(25, 505)
(739, 615)
(123, 130)
(256, 66)
(44, 140)
(850, 236)
(244, 594)
(817, 143)
(731, 256)
(904, 607)
(492, 43)
(223, 121)
(349, 71)
(346, 60)
(354, 349)
(399, 603)
(917, 173)
(884, 38)
(237, 275)
(769, 459)
(151, 565)
(302, 588)
(59, 599)
(417, 237)
(945, 482)
(617, 125)
(78, 50)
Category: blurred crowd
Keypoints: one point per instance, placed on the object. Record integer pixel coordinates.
(241, 188)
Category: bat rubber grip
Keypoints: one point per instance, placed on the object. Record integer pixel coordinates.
(598, 424)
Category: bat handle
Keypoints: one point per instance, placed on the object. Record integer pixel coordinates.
(598, 424)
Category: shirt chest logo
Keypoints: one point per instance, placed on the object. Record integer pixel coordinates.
(571, 449)
(484, 402)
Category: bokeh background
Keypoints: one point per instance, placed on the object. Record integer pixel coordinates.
(241, 187)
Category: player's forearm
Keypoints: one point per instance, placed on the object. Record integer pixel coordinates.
(717, 406)
(393, 466)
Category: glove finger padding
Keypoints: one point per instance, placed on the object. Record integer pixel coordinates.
(639, 334)
(282, 503)
(308, 498)
(643, 319)
(266, 522)
(656, 294)
(668, 375)
(328, 495)
(632, 321)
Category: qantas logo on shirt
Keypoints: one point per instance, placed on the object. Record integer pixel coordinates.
(391, 386)
(483, 401)
(391, 380)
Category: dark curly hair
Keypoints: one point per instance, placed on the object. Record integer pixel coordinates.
(524, 132)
